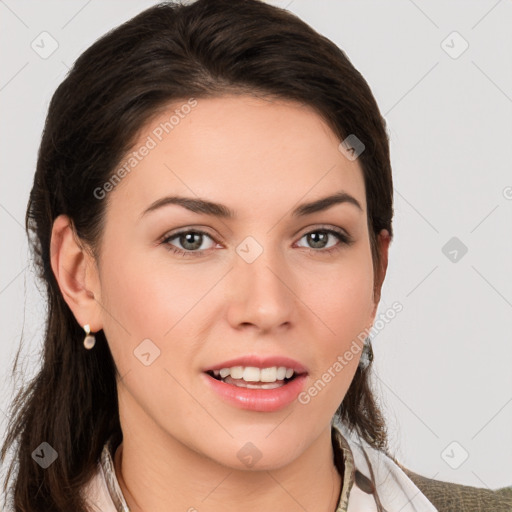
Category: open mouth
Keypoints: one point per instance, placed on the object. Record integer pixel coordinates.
(251, 385)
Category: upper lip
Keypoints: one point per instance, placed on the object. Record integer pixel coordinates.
(260, 362)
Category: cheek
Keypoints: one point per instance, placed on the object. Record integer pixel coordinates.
(354, 300)
(147, 297)
(344, 303)
(343, 297)
(136, 305)
(135, 298)
(152, 298)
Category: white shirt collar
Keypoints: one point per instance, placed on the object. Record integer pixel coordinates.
(395, 490)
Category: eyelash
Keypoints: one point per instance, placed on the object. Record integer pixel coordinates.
(344, 239)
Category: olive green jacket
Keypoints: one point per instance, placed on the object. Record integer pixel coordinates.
(450, 497)
(372, 478)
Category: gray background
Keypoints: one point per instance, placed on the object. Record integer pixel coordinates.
(443, 365)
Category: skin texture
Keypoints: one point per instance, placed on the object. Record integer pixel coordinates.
(260, 158)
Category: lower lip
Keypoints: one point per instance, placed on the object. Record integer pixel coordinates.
(262, 400)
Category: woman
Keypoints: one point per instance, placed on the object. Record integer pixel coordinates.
(211, 214)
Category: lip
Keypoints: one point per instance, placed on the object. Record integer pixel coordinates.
(260, 400)
(260, 362)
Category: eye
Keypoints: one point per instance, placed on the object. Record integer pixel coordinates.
(190, 240)
(319, 237)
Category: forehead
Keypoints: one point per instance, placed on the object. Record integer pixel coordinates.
(238, 150)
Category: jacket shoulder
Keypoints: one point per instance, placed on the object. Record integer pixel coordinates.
(451, 497)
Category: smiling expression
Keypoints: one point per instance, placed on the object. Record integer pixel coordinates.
(216, 247)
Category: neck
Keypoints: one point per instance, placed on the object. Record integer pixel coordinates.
(275, 491)
(157, 472)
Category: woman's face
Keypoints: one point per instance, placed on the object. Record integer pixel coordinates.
(263, 283)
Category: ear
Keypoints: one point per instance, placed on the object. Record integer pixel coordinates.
(76, 273)
(383, 241)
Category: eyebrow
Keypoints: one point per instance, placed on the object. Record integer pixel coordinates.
(219, 210)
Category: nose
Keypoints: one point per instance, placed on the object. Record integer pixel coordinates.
(261, 293)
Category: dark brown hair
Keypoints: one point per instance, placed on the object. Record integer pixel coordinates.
(166, 53)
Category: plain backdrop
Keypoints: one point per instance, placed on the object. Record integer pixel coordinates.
(441, 73)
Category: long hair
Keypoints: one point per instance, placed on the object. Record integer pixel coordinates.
(166, 53)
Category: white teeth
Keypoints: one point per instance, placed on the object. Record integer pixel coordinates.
(253, 374)
(281, 373)
(237, 372)
(270, 385)
(268, 374)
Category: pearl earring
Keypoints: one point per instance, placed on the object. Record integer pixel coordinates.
(89, 339)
